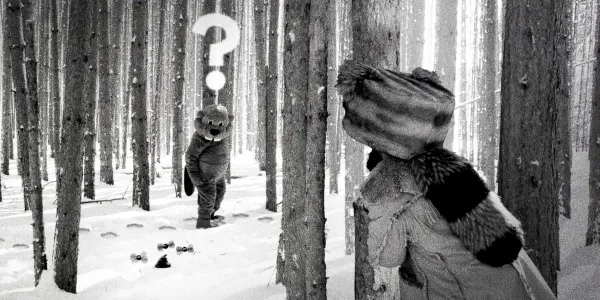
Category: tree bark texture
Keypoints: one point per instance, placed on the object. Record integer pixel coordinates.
(534, 83)
(42, 78)
(68, 211)
(115, 58)
(260, 36)
(333, 141)
(208, 95)
(90, 91)
(178, 64)
(271, 97)
(107, 96)
(139, 119)
(53, 78)
(7, 95)
(127, 60)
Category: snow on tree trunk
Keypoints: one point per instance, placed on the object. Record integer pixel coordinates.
(593, 231)
(271, 97)
(68, 211)
(107, 97)
(139, 119)
(13, 35)
(178, 64)
(372, 281)
(39, 241)
(534, 71)
(208, 95)
(260, 36)
(316, 132)
(90, 90)
(445, 52)
(296, 73)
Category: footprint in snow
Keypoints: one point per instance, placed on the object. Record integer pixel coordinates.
(135, 225)
(83, 229)
(190, 219)
(109, 235)
(240, 215)
(1, 240)
(167, 227)
(265, 219)
(20, 246)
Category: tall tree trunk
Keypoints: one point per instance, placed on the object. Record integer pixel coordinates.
(127, 60)
(487, 113)
(271, 88)
(7, 95)
(593, 232)
(53, 78)
(316, 132)
(534, 70)
(115, 75)
(90, 90)
(296, 56)
(157, 91)
(333, 149)
(226, 94)
(416, 33)
(39, 241)
(68, 211)
(445, 51)
(373, 281)
(42, 78)
(208, 95)
(106, 98)
(260, 15)
(178, 64)
(13, 34)
(137, 75)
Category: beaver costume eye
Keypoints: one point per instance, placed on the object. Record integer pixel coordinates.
(221, 124)
(210, 122)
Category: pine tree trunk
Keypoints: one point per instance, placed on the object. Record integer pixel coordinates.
(208, 95)
(7, 96)
(157, 91)
(68, 211)
(42, 72)
(115, 26)
(107, 96)
(533, 85)
(372, 281)
(445, 52)
(53, 78)
(487, 114)
(13, 35)
(296, 55)
(178, 64)
(137, 75)
(593, 231)
(226, 94)
(91, 77)
(35, 191)
(416, 31)
(316, 132)
(271, 107)
(127, 24)
(260, 15)
(333, 149)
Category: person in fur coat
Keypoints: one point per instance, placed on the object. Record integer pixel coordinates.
(431, 216)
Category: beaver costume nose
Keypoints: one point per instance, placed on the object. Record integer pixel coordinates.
(215, 131)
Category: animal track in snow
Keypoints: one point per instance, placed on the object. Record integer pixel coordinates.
(135, 225)
(167, 227)
(109, 234)
(83, 229)
(20, 246)
(265, 219)
(240, 215)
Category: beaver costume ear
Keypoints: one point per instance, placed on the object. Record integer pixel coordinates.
(230, 119)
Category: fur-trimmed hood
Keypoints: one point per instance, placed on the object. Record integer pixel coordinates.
(475, 214)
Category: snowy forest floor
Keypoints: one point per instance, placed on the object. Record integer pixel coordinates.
(233, 261)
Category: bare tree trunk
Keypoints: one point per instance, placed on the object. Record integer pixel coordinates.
(333, 149)
(533, 84)
(106, 98)
(90, 90)
(13, 37)
(39, 241)
(42, 78)
(226, 94)
(372, 281)
(127, 24)
(115, 27)
(137, 75)
(53, 78)
(316, 132)
(416, 31)
(68, 211)
(445, 51)
(487, 114)
(7, 94)
(178, 64)
(208, 95)
(157, 91)
(271, 88)
(296, 55)
(593, 232)
(260, 15)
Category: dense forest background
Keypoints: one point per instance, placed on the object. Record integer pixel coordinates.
(94, 87)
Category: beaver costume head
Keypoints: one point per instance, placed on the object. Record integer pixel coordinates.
(213, 122)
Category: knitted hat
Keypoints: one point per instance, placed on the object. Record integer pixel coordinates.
(396, 113)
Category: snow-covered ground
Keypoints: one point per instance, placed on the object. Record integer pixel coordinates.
(233, 261)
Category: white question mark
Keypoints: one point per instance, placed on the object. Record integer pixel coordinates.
(215, 80)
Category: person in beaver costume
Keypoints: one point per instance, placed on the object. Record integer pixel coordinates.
(432, 221)
(207, 159)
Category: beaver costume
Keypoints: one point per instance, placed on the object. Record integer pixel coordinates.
(207, 159)
(432, 220)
